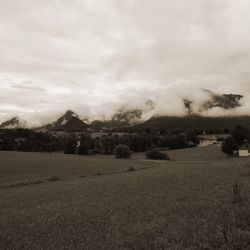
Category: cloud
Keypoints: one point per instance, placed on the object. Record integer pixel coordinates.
(94, 56)
(26, 87)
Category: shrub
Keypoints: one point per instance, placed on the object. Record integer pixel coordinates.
(155, 154)
(122, 152)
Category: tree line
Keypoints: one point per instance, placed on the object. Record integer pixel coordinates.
(137, 142)
(30, 141)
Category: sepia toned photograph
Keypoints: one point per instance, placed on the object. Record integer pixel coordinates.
(124, 125)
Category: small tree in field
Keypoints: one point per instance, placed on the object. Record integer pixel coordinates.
(229, 145)
(122, 152)
(155, 154)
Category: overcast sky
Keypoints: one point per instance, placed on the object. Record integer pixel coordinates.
(92, 56)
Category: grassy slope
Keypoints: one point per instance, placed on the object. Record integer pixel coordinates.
(210, 153)
(17, 167)
(176, 205)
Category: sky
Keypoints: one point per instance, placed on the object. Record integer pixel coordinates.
(94, 56)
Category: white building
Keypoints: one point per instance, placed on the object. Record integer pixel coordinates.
(244, 150)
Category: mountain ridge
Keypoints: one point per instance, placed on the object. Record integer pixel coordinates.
(69, 122)
(13, 123)
(192, 122)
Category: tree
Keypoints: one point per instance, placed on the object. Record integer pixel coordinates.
(178, 141)
(192, 137)
(70, 145)
(85, 144)
(240, 134)
(108, 143)
(122, 152)
(229, 145)
(8, 144)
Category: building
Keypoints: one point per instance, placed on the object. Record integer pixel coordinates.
(206, 140)
(244, 150)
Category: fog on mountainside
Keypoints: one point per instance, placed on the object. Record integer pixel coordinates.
(127, 116)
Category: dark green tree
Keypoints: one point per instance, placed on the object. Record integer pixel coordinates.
(108, 143)
(229, 146)
(122, 152)
(85, 144)
(70, 145)
(8, 144)
(240, 134)
(192, 137)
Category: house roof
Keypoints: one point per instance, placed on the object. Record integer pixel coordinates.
(214, 136)
(245, 146)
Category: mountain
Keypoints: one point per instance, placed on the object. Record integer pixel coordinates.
(192, 122)
(69, 122)
(13, 123)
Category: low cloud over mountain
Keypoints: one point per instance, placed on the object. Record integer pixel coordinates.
(221, 101)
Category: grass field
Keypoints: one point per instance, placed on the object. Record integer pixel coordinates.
(54, 201)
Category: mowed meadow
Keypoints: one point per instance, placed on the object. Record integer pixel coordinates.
(198, 200)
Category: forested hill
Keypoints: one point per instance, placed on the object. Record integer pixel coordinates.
(199, 123)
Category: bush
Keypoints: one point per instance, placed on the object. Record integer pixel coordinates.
(155, 154)
(122, 152)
